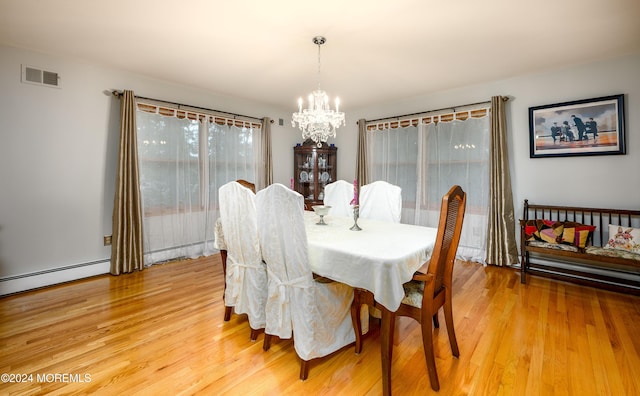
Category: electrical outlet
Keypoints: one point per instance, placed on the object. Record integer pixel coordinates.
(107, 240)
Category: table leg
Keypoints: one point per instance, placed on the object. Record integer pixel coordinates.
(386, 347)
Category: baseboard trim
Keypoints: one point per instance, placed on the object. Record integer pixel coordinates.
(54, 276)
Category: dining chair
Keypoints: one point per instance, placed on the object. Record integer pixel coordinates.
(316, 314)
(245, 272)
(427, 292)
(339, 195)
(247, 184)
(381, 200)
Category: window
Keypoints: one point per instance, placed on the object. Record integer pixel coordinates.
(182, 154)
(425, 157)
(183, 158)
(169, 163)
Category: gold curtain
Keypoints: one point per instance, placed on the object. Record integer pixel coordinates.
(361, 155)
(501, 241)
(126, 247)
(267, 172)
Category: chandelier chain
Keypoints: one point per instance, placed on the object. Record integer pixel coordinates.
(319, 75)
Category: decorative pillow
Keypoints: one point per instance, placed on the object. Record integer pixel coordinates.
(624, 238)
(577, 234)
(543, 230)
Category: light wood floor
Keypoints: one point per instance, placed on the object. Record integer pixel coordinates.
(160, 332)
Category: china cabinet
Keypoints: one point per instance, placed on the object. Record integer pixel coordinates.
(313, 168)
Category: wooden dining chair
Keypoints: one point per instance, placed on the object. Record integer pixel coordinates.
(427, 292)
(223, 251)
(245, 272)
(247, 184)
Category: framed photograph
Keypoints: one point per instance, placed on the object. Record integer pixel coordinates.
(582, 127)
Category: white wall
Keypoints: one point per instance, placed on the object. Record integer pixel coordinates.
(58, 152)
(594, 181)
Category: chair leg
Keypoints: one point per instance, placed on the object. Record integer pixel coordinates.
(267, 342)
(304, 369)
(356, 319)
(254, 334)
(227, 313)
(360, 297)
(223, 255)
(448, 318)
(427, 342)
(436, 323)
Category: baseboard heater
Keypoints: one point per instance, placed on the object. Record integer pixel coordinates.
(35, 280)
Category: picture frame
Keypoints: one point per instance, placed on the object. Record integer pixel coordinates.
(581, 127)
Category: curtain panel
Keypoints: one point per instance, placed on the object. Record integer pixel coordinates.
(126, 240)
(502, 247)
(264, 168)
(361, 154)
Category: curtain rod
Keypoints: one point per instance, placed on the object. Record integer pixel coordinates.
(118, 93)
(432, 111)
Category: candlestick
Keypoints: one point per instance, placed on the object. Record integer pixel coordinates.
(356, 214)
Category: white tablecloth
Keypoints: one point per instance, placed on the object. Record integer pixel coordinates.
(379, 258)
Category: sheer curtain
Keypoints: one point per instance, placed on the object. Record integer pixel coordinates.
(184, 158)
(425, 157)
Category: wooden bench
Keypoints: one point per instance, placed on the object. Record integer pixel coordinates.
(594, 265)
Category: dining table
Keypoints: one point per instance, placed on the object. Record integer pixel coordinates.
(379, 258)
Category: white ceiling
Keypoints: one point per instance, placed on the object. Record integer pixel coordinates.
(376, 51)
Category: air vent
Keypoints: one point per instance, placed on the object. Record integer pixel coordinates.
(33, 75)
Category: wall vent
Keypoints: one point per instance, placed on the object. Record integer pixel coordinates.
(33, 75)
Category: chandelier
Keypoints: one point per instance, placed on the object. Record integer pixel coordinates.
(318, 121)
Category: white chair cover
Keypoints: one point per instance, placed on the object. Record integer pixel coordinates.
(317, 314)
(246, 272)
(338, 195)
(381, 201)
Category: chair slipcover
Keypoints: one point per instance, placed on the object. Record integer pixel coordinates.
(338, 195)
(381, 201)
(317, 314)
(246, 277)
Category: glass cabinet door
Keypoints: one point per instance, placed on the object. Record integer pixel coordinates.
(314, 167)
